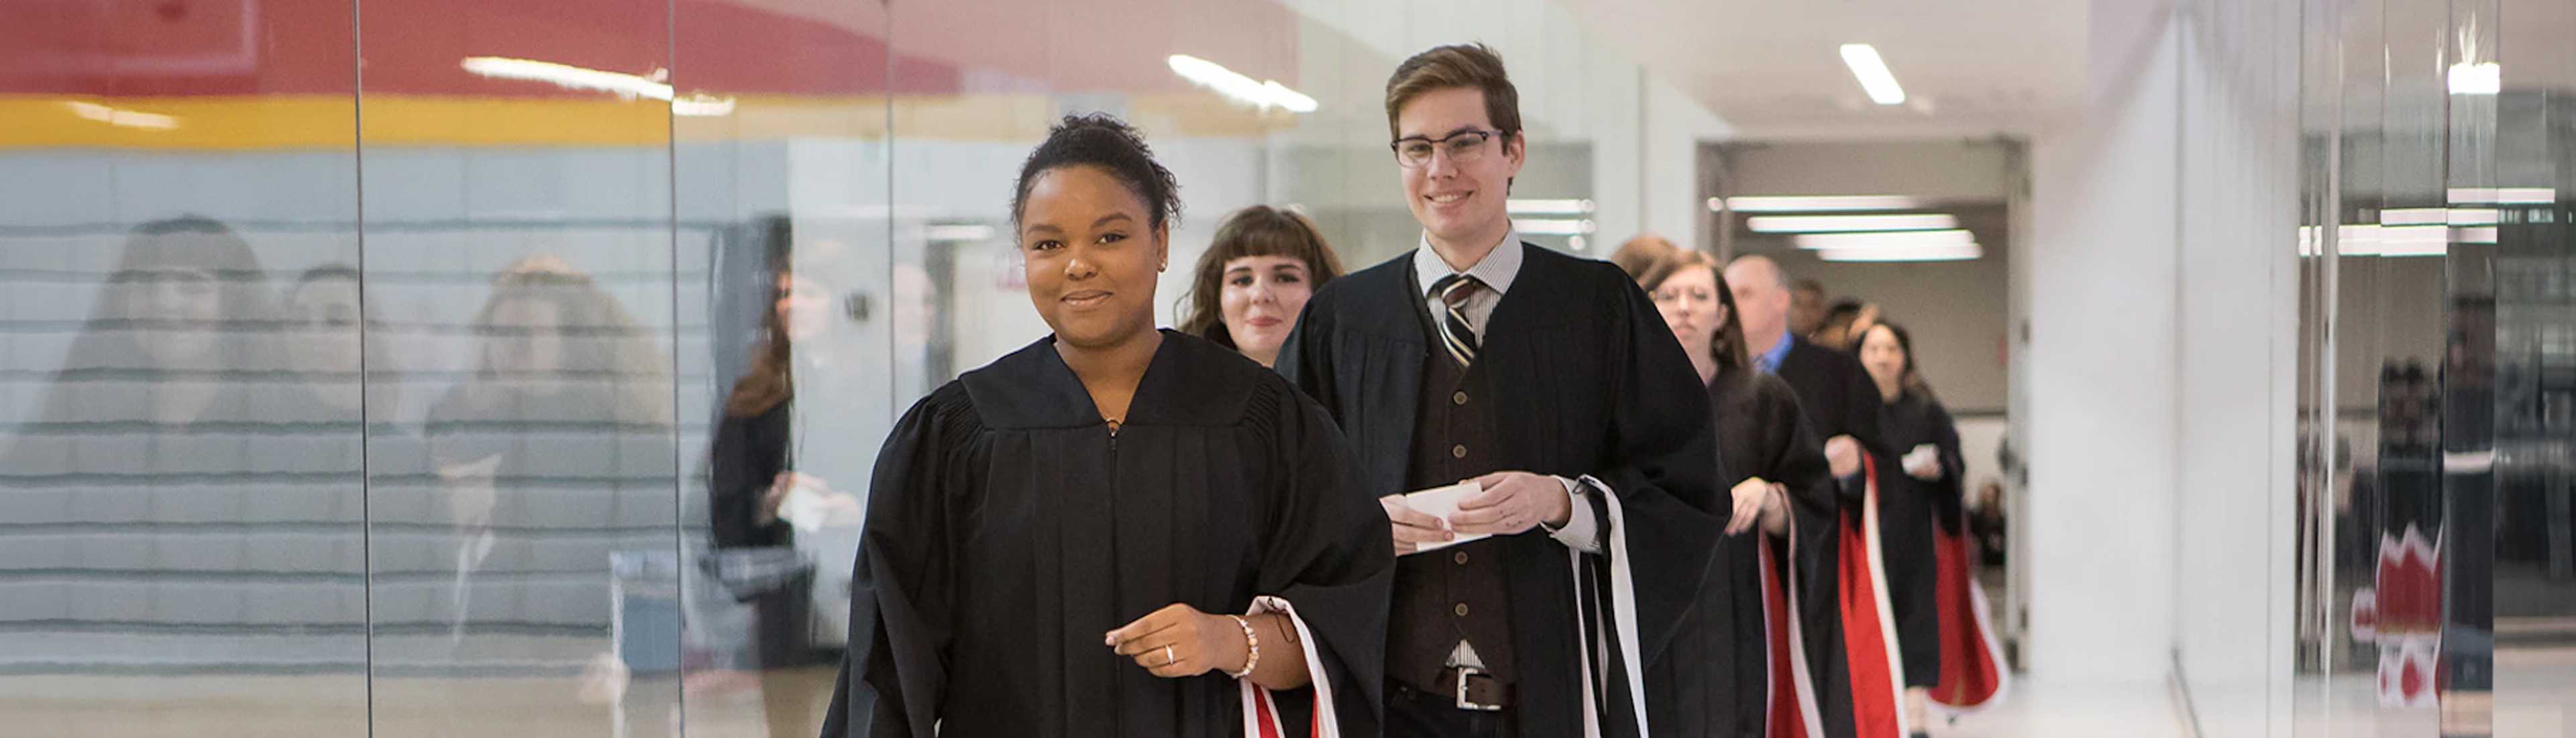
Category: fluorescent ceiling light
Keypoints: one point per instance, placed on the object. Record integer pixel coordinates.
(1884, 238)
(1553, 226)
(626, 86)
(1874, 77)
(958, 232)
(2503, 196)
(1847, 223)
(1819, 203)
(2380, 240)
(1943, 252)
(2439, 216)
(2484, 78)
(1548, 207)
(121, 118)
(1227, 82)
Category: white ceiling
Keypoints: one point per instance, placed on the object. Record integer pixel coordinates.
(1771, 67)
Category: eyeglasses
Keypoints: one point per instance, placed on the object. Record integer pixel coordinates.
(1462, 147)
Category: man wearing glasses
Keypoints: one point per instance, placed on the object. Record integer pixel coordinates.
(1530, 606)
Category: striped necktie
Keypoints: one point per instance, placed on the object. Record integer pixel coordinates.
(1455, 332)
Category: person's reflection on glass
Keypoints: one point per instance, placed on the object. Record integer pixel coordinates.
(150, 434)
(760, 500)
(542, 451)
(754, 472)
(180, 311)
(333, 339)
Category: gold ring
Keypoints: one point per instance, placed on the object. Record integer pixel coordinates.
(1168, 658)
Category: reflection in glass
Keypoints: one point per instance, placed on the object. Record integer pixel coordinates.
(174, 498)
(760, 501)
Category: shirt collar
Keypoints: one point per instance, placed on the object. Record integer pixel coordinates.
(1771, 358)
(1496, 271)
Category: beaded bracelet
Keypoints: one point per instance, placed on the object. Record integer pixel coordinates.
(1250, 639)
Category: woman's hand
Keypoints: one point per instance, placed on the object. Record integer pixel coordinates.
(1749, 495)
(1842, 455)
(776, 496)
(1924, 462)
(1775, 510)
(1179, 641)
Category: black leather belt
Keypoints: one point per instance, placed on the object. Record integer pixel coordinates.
(1473, 689)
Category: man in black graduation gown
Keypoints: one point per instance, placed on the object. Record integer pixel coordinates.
(1553, 383)
(1831, 385)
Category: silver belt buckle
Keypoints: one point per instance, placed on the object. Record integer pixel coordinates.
(1467, 704)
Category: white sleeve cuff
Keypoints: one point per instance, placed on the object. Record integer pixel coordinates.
(1582, 531)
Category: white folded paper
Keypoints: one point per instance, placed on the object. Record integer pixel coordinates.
(1442, 503)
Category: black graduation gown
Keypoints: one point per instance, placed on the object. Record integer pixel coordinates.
(1836, 393)
(1838, 398)
(1587, 380)
(1907, 510)
(1760, 433)
(1008, 531)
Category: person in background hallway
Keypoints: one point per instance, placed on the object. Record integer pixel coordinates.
(1843, 324)
(1640, 253)
(1776, 463)
(1831, 385)
(752, 475)
(1549, 382)
(1057, 543)
(1255, 278)
(1806, 307)
(1928, 488)
(1837, 397)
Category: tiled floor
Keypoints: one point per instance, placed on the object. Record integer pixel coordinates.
(2043, 710)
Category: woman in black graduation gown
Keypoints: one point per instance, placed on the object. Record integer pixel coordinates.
(1914, 424)
(1714, 680)
(1059, 543)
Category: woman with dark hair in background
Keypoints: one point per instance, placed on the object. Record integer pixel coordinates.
(1720, 674)
(1255, 278)
(1058, 543)
(757, 499)
(1920, 522)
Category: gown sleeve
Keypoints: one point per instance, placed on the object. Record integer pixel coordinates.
(1948, 493)
(1326, 555)
(1663, 466)
(1306, 358)
(1797, 458)
(894, 677)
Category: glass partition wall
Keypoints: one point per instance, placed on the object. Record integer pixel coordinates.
(470, 367)
(2437, 369)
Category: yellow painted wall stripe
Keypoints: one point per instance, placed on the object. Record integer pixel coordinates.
(330, 122)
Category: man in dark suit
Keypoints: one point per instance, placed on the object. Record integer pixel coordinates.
(1831, 385)
(1551, 383)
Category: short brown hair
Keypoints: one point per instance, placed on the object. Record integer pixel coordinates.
(1260, 230)
(1473, 66)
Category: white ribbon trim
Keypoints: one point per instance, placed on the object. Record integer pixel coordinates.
(1327, 724)
(1623, 616)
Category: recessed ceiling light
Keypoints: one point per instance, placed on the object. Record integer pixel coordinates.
(1872, 72)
